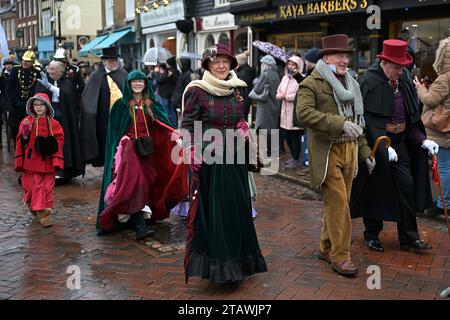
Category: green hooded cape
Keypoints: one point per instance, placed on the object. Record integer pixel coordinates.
(119, 123)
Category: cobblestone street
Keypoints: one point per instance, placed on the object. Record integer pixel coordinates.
(33, 260)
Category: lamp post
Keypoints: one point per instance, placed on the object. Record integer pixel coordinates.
(58, 4)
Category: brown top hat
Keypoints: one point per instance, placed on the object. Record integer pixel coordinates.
(337, 43)
(396, 51)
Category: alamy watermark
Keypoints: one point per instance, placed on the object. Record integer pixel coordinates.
(74, 280)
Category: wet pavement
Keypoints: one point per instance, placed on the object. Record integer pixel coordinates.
(34, 261)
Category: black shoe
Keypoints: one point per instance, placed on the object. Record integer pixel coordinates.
(434, 212)
(144, 232)
(374, 245)
(416, 245)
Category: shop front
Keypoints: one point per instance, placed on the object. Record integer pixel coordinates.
(422, 25)
(299, 26)
(215, 29)
(159, 28)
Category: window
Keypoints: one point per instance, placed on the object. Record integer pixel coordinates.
(25, 37)
(35, 6)
(46, 23)
(20, 9)
(130, 9)
(209, 42)
(109, 12)
(35, 34)
(31, 34)
(13, 29)
(223, 39)
(221, 3)
(30, 7)
(8, 29)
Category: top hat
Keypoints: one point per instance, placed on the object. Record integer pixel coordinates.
(396, 51)
(211, 53)
(337, 43)
(110, 53)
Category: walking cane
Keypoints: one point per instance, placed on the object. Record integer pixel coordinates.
(437, 181)
(377, 142)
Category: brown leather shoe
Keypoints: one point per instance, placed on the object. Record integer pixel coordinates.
(345, 268)
(325, 256)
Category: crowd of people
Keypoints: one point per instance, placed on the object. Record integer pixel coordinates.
(63, 117)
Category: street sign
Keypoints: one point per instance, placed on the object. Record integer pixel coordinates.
(68, 45)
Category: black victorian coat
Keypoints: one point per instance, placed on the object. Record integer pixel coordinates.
(67, 114)
(95, 102)
(375, 196)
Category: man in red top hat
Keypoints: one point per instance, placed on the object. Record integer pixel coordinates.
(399, 185)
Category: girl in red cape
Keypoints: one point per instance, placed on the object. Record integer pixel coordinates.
(39, 146)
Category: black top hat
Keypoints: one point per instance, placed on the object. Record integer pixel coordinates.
(110, 53)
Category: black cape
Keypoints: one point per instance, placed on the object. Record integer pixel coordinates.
(375, 196)
(95, 104)
(66, 113)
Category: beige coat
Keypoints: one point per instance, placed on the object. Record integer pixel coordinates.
(318, 110)
(439, 91)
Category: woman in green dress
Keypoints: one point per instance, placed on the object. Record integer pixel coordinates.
(222, 245)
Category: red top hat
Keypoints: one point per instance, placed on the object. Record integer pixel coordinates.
(396, 51)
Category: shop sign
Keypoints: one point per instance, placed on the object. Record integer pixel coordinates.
(163, 15)
(220, 21)
(248, 19)
(294, 11)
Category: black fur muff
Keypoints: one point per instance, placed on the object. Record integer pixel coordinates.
(46, 145)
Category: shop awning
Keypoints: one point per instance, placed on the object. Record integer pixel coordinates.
(112, 38)
(84, 52)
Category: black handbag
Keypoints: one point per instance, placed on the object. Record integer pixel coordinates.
(143, 145)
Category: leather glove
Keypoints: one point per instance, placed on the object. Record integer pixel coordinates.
(352, 129)
(370, 165)
(243, 128)
(392, 155)
(44, 80)
(26, 128)
(431, 146)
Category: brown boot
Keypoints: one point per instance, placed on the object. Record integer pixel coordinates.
(45, 218)
(345, 268)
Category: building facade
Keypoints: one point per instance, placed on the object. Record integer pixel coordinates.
(299, 25)
(8, 20)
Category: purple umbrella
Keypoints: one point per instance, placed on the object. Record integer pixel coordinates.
(272, 49)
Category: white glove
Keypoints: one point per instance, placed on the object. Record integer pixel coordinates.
(392, 155)
(352, 129)
(431, 146)
(370, 165)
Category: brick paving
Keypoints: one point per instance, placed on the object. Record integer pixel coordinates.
(33, 260)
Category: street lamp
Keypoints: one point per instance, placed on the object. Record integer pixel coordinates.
(58, 4)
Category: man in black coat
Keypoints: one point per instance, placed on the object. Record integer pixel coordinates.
(20, 87)
(186, 76)
(167, 80)
(8, 64)
(399, 186)
(62, 92)
(103, 88)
